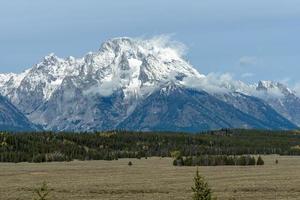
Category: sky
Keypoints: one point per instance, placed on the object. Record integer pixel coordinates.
(251, 39)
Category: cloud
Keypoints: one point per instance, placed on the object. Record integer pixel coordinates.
(166, 41)
(285, 81)
(209, 84)
(163, 45)
(223, 83)
(247, 75)
(247, 61)
(217, 83)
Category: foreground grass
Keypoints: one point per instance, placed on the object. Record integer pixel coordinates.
(151, 179)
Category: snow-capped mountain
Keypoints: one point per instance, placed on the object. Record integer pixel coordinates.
(281, 98)
(107, 88)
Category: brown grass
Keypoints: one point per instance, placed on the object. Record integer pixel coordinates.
(151, 179)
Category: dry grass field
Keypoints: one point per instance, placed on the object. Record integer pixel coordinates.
(151, 179)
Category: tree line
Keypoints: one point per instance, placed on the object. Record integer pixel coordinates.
(63, 146)
(215, 160)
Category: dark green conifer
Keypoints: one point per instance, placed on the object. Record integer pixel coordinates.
(260, 161)
(201, 189)
(42, 193)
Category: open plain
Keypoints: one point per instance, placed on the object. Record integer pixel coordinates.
(149, 179)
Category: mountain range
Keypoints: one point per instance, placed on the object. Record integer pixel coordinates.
(140, 85)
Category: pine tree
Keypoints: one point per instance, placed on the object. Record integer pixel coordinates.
(260, 161)
(42, 193)
(201, 189)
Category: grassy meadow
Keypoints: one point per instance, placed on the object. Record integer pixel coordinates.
(149, 179)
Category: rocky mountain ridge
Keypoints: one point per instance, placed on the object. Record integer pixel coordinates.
(105, 89)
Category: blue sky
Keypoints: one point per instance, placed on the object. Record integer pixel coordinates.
(250, 39)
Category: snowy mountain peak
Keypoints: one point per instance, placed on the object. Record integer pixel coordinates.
(117, 44)
(50, 60)
(264, 85)
(159, 48)
(5, 77)
(135, 66)
(274, 87)
(50, 57)
(103, 88)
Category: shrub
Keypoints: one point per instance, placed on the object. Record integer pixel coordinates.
(55, 156)
(179, 162)
(175, 162)
(251, 160)
(176, 154)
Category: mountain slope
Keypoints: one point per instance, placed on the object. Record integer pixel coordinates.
(257, 108)
(12, 119)
(175, 108)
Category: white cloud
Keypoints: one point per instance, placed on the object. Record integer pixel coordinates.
(247, 75)
(163, 45)
(247, 60)
(223, 83)
(218, 83)
(209, 84)
(285, 81)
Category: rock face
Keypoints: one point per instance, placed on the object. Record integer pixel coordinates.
(12, 119)
(137, 85)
